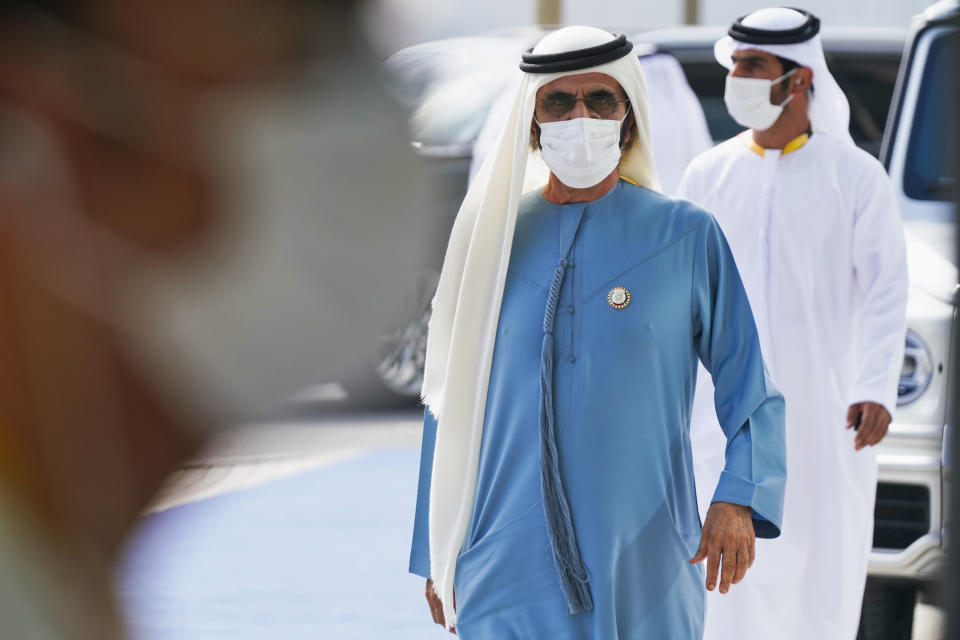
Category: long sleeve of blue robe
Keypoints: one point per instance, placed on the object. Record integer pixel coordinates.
(420, 549)
(754, 473)
(623, 389)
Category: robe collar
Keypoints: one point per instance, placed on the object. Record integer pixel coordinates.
(793, 145)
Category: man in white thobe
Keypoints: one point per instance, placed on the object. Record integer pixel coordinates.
(815, 230)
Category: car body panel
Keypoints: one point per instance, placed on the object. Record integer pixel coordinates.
(913, 453)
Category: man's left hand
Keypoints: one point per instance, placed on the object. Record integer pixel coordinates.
(874, 422)
(728, 535)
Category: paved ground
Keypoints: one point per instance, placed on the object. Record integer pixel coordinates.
(294, 530)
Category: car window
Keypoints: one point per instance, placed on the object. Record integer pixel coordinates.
(930, 172)
(868, 82)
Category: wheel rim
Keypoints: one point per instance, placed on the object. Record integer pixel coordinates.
(402, 352)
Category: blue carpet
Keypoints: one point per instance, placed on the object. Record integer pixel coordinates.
(322, 554)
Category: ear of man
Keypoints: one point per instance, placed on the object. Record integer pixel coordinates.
(803, 79)
(626, 131)
(798, 84)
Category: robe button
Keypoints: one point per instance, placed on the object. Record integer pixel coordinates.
(570, 308)
(572, 358)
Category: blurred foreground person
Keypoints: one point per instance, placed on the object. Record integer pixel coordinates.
(814, 227)
(155, 278)
(583, 307)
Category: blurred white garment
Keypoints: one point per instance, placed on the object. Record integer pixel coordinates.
(678, 127)
(817, 237)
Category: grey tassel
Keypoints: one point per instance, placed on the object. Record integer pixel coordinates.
(563, 539)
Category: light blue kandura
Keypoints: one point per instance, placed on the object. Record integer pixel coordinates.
(617, 410)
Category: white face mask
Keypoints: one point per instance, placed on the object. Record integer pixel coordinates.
(310, 261)
(581, 152)
(748, 101)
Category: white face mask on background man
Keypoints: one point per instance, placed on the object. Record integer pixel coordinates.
(748, 101)
(581, 152)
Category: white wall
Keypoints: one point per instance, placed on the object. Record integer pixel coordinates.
(623, 14)
(398, 23)
(866, 13)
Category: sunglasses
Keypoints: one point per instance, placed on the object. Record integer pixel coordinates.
(559, 104)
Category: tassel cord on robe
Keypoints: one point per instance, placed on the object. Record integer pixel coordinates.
(567, 561)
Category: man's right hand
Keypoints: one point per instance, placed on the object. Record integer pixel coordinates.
(436, 607)
(871, 420)
(727, 535)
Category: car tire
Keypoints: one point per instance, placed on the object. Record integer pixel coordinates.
(887, 612)
(393, 375)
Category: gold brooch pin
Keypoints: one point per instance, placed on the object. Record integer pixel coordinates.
(618, 298)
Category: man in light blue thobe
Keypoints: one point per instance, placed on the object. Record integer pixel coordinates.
(613, 294)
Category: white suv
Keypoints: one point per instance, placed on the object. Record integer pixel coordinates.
(909, 525)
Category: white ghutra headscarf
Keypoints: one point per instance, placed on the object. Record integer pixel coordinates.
(466, 308)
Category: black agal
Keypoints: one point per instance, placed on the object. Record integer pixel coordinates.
(752, 35)
(578, 58)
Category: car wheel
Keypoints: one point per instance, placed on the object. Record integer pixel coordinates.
(402, 352)
(394, 374)
(887, 612)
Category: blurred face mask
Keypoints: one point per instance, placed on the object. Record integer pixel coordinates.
(748, 101)
(581, 152)
(308, 209)
(311, 258)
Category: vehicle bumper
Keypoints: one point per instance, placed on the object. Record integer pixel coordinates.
(909, 459)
